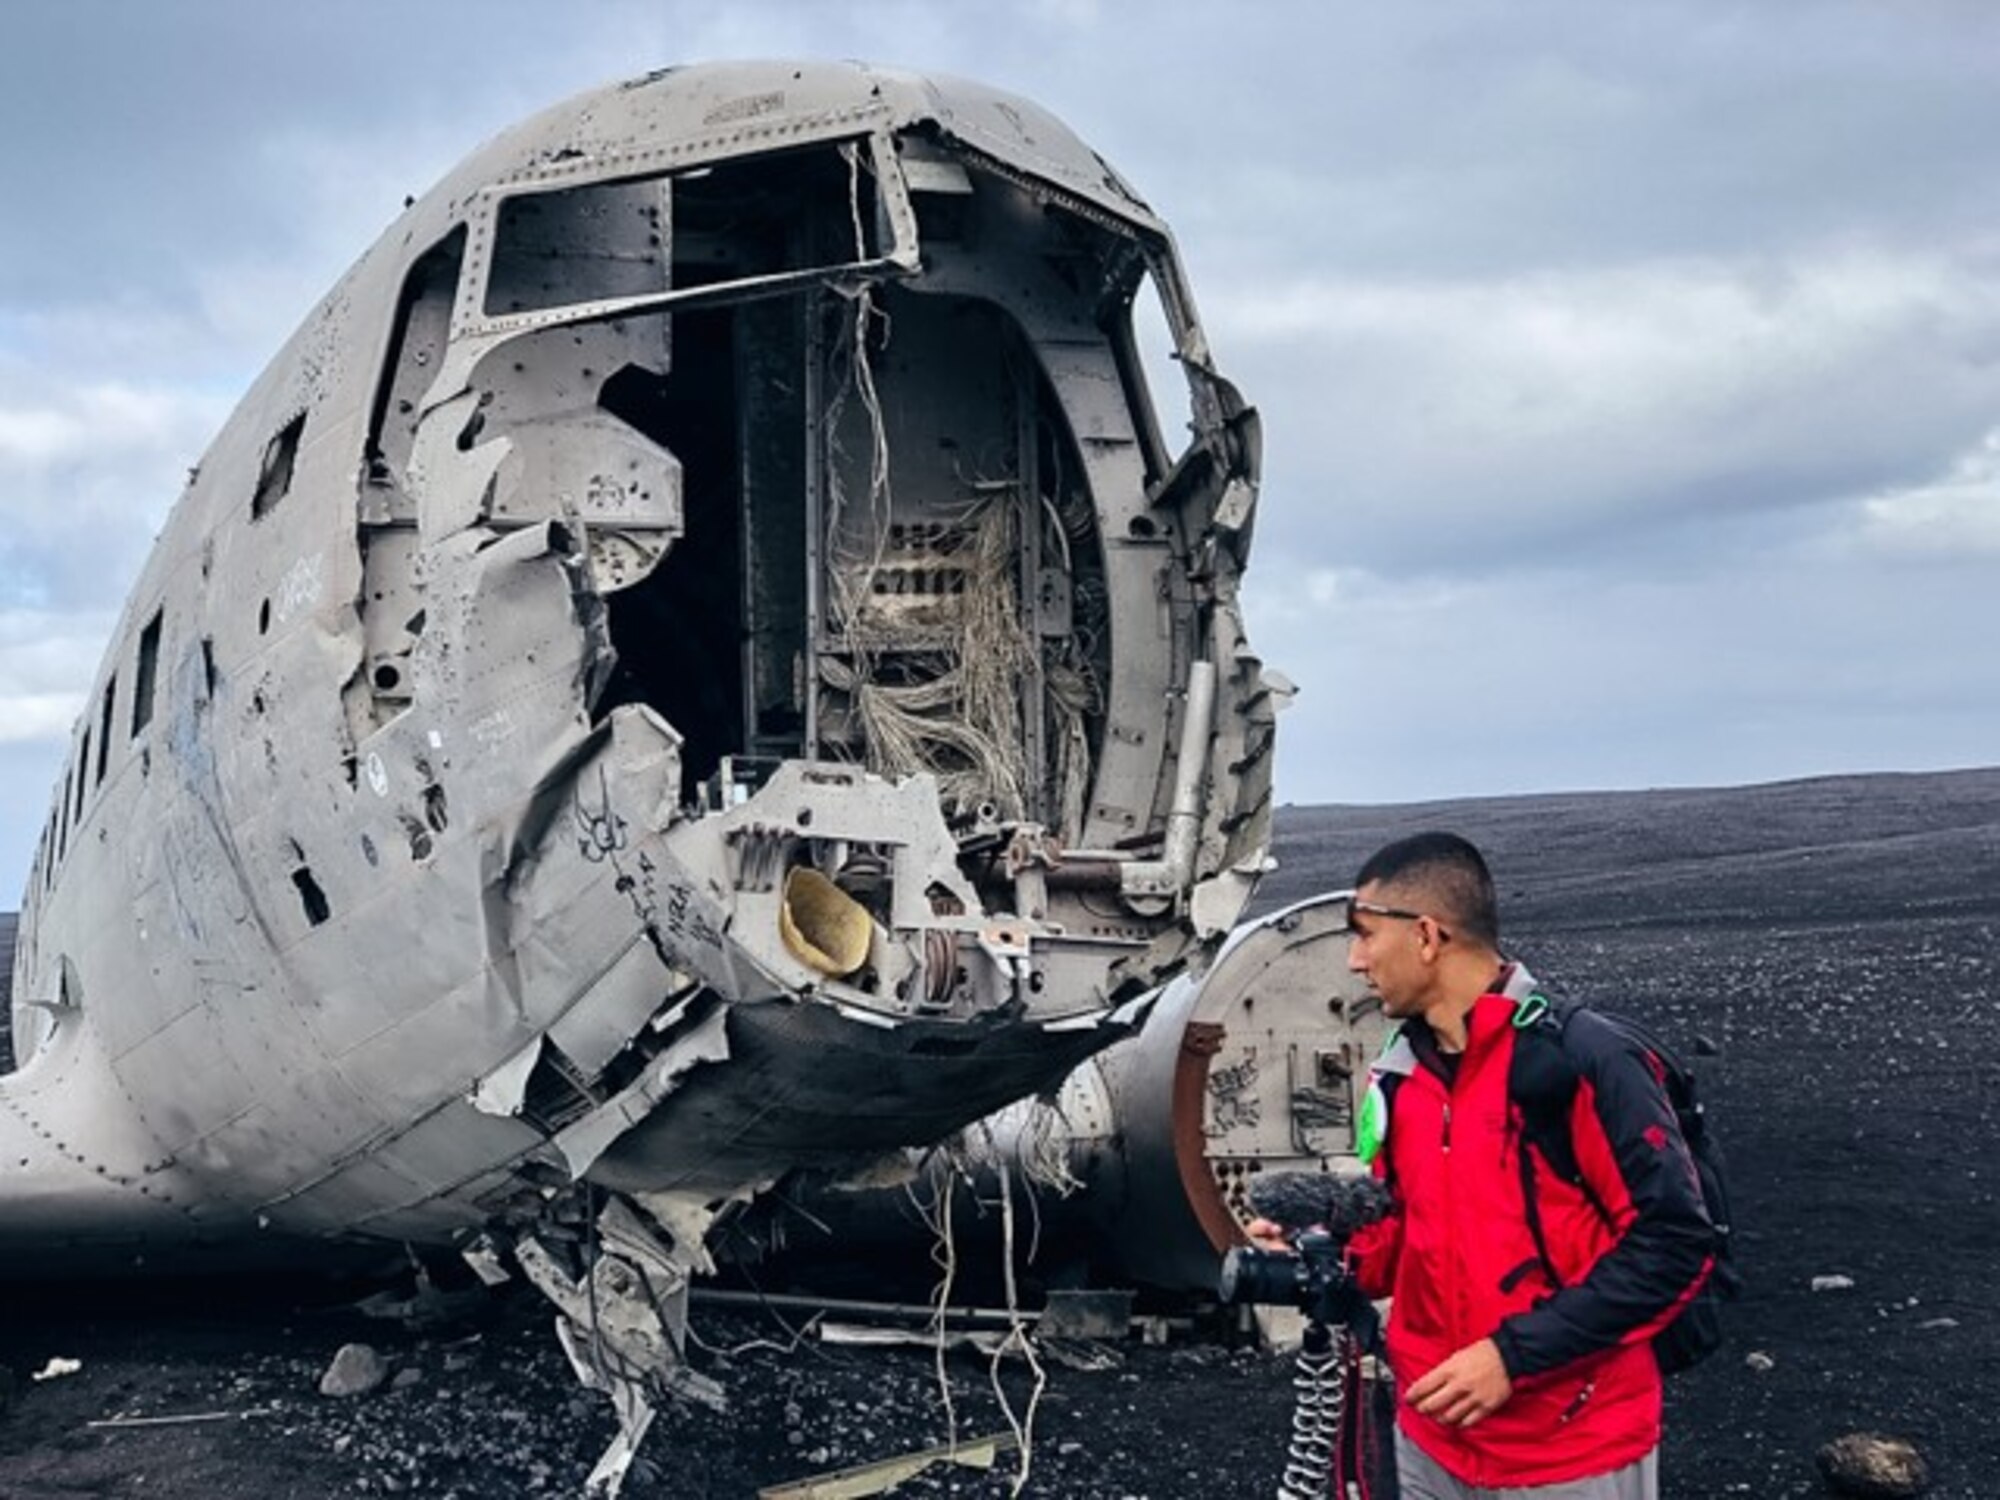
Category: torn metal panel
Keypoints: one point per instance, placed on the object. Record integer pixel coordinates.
(502, 1091)
(886, 1474)
(584, 1142)
(622, 489)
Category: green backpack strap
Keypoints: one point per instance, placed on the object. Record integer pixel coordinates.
(1371, 1126)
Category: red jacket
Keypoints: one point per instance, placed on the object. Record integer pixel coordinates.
(1462, 1264)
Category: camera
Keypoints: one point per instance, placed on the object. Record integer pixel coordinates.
(1312, 1277)
(1319, 1212)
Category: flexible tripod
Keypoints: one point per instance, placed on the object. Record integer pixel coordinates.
(1331, 1455)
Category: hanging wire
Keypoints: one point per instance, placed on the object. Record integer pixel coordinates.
(942, 1173)
(1017, 1338)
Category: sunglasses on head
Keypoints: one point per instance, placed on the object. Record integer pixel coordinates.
(1355, 905)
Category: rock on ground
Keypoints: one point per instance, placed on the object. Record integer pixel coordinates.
(1869, 1466)
(356, 1370)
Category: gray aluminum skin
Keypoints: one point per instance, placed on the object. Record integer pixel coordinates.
(422, 849)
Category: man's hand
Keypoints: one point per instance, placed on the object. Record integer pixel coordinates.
(1266, 1235)
(1471, 1384)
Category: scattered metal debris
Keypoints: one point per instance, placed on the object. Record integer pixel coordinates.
(989, 1342)
(880, 1477)
(181, 1419)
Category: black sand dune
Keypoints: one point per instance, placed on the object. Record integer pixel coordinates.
(1833, 940)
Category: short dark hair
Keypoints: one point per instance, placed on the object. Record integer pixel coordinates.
(1452, 875)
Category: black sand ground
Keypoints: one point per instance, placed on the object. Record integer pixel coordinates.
(1835, 940)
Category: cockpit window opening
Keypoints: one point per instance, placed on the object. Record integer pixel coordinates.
(579, 244)
(415, 354)
(728, 231)
(1156, 380)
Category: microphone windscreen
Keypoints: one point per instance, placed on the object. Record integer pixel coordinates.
(1336, 1202)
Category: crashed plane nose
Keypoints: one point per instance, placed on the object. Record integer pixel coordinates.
(705, 656)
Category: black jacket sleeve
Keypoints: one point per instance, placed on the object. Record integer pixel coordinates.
(1640, 1171)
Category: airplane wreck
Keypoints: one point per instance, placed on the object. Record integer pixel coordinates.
(704, 659)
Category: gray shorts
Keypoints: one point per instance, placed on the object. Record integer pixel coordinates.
(1423, 1479)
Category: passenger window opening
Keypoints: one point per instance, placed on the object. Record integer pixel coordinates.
(274, 476)
(145, 679)
(311, 897)
(104, 728)
(82, 776)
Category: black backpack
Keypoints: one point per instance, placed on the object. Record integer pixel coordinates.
(1542, 1081)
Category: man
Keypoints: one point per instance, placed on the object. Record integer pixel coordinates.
(1519, 1371)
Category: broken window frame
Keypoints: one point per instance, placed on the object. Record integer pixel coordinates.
(1120, 329)
(561, 225)
(473, 327)
(1158, 261)
(380, 464)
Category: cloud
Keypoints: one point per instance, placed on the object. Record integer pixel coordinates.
(1455, 422)
(88, 469)
(66, 424)
(46, 662)
(37, 716)
(1957, 516)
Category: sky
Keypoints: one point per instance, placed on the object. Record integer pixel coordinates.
(1630, 373)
